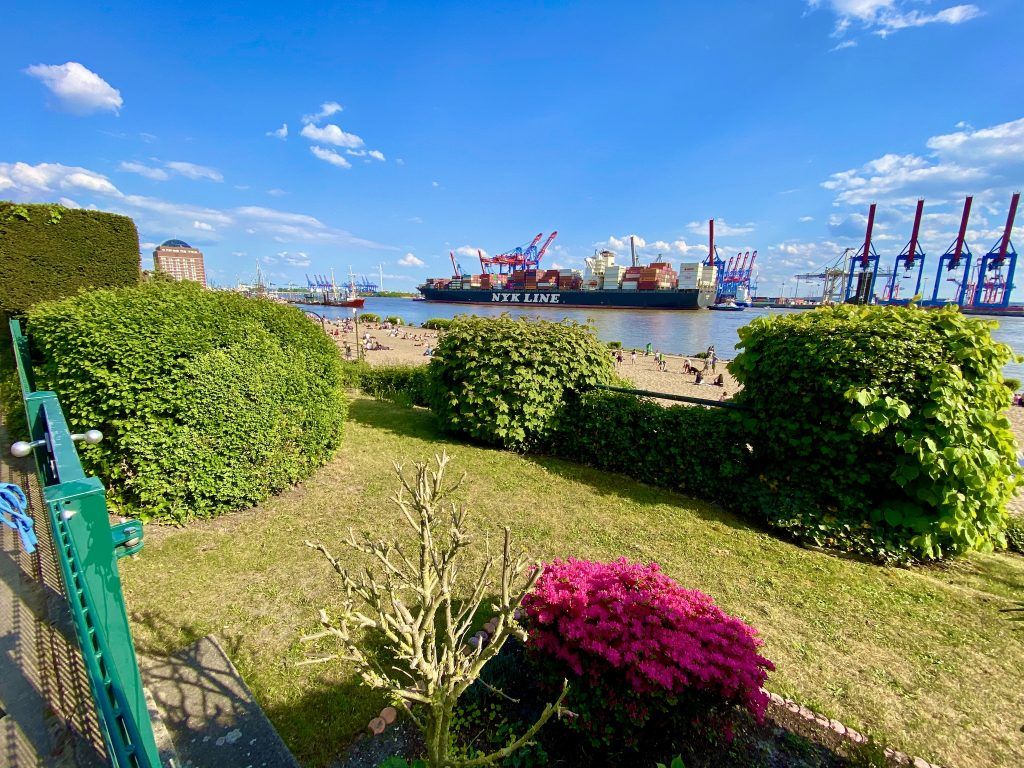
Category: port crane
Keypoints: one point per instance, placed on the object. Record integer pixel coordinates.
(520, 257)
(954, 265)
(995, 271)
(909, 263)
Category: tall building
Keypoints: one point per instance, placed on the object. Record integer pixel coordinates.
(180, 260)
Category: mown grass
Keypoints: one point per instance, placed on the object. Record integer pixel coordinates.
(926, 660)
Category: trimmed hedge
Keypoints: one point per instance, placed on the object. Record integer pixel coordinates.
(403, 384)
(209, 401)
(698, 451)
(48, 252)
(879, 430)
(502, 381)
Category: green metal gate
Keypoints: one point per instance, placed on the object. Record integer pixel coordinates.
(87, 548)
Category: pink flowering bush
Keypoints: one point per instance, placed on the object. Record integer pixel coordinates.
(642, 643)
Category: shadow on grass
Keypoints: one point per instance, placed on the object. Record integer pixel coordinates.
(421, 424)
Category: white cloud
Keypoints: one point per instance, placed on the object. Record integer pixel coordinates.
(409, 260)
(435, 184)
(331, 134)
(721, 228)
(648, 251)
(327, 109)
(376, 154)
(297, 259)
(415, 220)
(843, 46)
(156, 174)
(469, 250)
(998, 144)
(883, 17)
(805, 219)
(399, 161)
(193, 171)
(30, 180)
(275, 192)
(279, 133)
(79, 89)
(202, 225)
(330, 156)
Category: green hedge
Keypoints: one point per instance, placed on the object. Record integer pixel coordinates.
(1015, 534)
(394, 320)
(48, 252)
(879, 429)
(209, 401)
(698, 451)
(438, 324)
(403, 384)
(369, 317)
(502, 381)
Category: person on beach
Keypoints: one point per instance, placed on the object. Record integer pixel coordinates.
(714, 360)
(632, 357)
(618, 358)
(647, 349)
(687, 368)
(720, 381)
(699, 378)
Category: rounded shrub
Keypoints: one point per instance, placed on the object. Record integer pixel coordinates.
(208, 401)
(394, 320)
(437, 324)
(503, 381)
(640, 650)
(879, 429)
(369, 317)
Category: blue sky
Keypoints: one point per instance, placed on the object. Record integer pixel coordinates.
(418, 128)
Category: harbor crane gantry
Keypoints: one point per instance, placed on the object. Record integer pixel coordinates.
(863, 267)
(995, 272)
(520, 257)
(954, 265)
(909, 262)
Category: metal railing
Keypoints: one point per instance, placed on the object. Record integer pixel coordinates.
(87, 548)
(668, 396)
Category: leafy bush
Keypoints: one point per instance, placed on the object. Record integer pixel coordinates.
(1015, 534)
(369, 317)
(641, 648)
(502, 381)
(698, 451)
(614, 345)
(437, 324)
(1013, 384)
(394, 320)
(404, 384)
(210, 401)
(879, 429)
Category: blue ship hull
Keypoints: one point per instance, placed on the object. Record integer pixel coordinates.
(685, 299)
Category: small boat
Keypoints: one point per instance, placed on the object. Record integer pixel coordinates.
(727, 306)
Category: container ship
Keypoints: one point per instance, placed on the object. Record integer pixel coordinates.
(515, 278)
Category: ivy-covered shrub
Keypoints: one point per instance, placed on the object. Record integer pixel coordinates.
(404, 384)
(699, 451)
(879, 429)
(640, 650)
(208, 401)
(437, 324)
(369, 317)
(502, 381)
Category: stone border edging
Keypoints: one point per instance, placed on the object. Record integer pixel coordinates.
(849, 733)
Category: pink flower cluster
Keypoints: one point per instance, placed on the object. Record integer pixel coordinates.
(632, 618)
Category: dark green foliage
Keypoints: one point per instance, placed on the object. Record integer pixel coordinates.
(394, 320)
(369, 317)
(1015, 534)
(352, 372)
(208, 401)
(438, 324)
(47, 252)
(403, 384)
(879, 429)
(502, 381)
(614, 345)
(1013, 384)
(699, 451)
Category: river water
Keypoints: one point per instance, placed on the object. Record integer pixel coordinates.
(682, 332)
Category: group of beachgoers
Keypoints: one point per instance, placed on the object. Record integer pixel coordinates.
(701, 372)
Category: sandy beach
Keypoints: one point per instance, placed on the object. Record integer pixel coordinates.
(643, 372)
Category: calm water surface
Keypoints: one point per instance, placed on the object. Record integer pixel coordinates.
(673, 332)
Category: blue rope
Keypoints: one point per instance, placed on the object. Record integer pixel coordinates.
(12, 512)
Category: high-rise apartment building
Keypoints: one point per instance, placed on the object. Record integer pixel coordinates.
(180, 260)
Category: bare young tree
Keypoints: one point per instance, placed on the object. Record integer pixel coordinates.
(426, 610)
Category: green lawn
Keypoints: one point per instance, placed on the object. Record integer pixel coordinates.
(923, 659)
